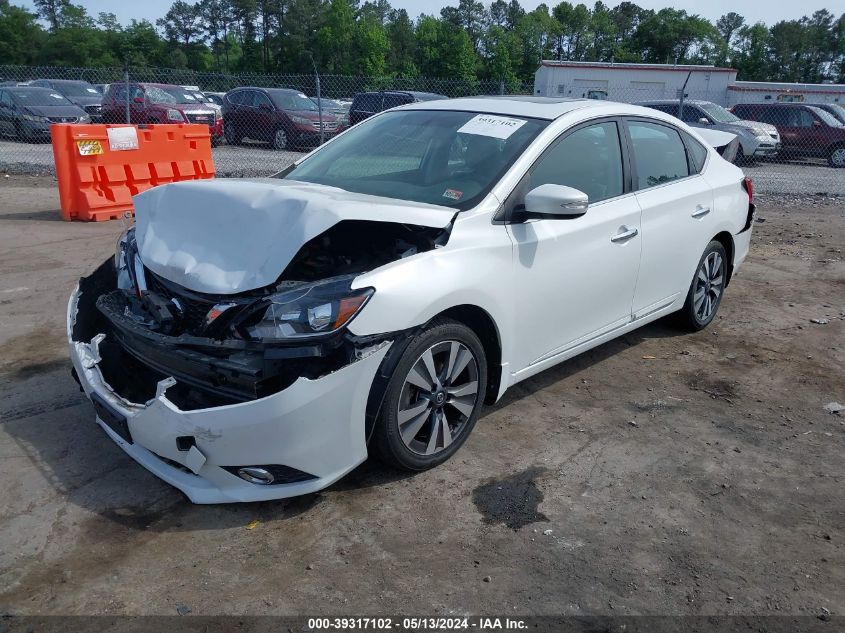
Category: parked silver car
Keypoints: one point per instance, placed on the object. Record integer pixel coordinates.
(756, 139)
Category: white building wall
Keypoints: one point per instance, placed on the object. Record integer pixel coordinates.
(772, 92)
(631, 82)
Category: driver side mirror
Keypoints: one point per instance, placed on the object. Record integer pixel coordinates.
(265, 106)
(817, 123)
(704, 120)
(556, 201)
(138, 99)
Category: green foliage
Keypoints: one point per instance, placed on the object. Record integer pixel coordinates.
(469, 41)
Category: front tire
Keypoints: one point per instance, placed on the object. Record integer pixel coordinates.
(433, 399)
(232, 135)
(706, 290)
(280, 139)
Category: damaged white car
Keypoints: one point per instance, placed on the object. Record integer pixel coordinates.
(258, 339)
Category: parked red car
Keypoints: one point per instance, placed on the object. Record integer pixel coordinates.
(805, 130)
(282, 117)
(158, 103)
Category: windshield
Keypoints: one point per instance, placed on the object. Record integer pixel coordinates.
(176, 95)
(77, 89)
(718, 113)
(292, 101)
(438, 157)
(38, 97)
(827, 117)
(838, 111)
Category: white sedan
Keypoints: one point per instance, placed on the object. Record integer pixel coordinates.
(257, 339)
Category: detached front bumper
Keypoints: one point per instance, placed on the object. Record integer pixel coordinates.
(316, 427)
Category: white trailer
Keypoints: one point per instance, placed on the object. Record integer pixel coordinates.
(632, 82)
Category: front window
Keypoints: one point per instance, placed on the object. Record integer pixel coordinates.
(827, 117)
(718, 113)
(293, 101)
(588, 159)
(38, 97)
(437, 157)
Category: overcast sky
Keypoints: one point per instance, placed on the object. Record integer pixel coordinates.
(767, 11)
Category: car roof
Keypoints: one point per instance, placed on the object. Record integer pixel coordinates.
(425, 96)
(674, 102)
(66, 81)
(548, 108)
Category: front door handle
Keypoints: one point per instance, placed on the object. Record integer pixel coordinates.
(625, 235)
(700, 211)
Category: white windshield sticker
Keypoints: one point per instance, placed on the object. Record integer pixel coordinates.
(491, 125)
(92, 90)
(56, 96)
(190, 97)
(122, 138)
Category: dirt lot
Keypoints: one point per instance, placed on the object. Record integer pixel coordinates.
(659, 474)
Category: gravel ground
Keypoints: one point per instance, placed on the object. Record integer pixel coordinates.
(662, 473)
(253, 159)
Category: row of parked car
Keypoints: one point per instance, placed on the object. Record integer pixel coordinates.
(287, 118)
(766, 130)
(282, 117)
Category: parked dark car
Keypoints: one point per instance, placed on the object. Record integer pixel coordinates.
(83, 94)
(27, 112)
(366, 104)
(158, 103)
(805, 130)
(834, 108)
(282, 117)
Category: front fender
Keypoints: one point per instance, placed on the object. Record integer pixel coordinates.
(474, 268)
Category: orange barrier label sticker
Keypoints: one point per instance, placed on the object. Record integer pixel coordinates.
(122, 138)
(89, 148)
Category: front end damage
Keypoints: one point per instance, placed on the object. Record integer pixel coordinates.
(255, 395)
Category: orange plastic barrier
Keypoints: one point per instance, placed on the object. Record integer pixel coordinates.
(100, 167)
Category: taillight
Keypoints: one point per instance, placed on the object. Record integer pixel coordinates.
(748, 185)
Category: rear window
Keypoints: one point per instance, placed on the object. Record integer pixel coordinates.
(659, 154)
(367, 103)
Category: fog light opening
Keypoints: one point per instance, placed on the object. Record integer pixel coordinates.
(255, 475)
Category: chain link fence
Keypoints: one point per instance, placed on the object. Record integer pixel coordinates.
(787, 148)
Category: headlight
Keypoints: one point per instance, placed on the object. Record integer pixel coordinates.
(758, 131)
(301, 120)
(124, 260)
(35, 117)
(308, 310)
(175, 115)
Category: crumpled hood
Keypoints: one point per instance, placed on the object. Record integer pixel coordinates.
(751, 125)
(230, 236)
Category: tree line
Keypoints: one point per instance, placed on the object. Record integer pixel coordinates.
(501, 41)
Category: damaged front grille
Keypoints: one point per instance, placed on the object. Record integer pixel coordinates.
(190, 308)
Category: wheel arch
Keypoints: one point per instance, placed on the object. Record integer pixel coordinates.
(727, 241)
(475, 318)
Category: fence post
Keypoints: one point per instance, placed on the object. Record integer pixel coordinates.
(501, 86)
(126, 85)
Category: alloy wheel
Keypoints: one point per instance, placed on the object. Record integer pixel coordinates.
(709, 283)
(837, 157)
(280, 140)
(438, 396)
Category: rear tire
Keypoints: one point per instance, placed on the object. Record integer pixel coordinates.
(232, 134)
(706, 289)
(425, 419)
(836, 157)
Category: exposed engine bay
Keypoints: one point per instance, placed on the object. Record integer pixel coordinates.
(226, 348)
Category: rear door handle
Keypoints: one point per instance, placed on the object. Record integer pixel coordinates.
(625, 235)
(700, 211)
